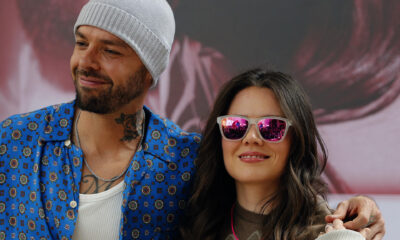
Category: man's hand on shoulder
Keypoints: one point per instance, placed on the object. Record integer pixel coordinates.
(361, 214)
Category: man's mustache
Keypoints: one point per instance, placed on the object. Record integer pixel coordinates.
(92, 73)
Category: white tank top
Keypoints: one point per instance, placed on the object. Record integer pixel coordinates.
(99, 215)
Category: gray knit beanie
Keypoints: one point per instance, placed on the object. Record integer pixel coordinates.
(148, 26)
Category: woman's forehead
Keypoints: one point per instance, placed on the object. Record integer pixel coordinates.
(255, 102)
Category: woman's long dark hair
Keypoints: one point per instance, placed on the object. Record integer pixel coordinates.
(296, 201)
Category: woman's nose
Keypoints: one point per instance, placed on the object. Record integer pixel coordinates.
(252, 136)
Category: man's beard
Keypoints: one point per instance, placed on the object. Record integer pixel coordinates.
(113, 98)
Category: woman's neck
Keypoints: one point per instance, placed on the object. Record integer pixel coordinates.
(252, 197)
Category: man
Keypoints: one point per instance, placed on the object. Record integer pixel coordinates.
(104, 166)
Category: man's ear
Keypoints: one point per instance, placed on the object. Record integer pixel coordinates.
(149, 79)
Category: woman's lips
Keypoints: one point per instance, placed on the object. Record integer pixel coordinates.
(253, 157)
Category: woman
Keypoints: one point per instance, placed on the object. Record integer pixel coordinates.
(261, 180)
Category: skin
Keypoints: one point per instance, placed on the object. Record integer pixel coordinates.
(337, 224)
(259, 177)
(365, 210)
(100, 65)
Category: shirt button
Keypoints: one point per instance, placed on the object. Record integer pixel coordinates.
(73, 204)
(67, 143)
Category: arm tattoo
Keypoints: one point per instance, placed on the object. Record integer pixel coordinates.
(132, 124)
(94, 185)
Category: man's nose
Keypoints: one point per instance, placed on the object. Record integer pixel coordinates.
(89, 59)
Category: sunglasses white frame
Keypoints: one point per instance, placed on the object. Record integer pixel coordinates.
(255, 122)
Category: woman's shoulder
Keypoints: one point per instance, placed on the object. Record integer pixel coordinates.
(317, 222)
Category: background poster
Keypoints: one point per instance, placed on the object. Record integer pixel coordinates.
(345, 53)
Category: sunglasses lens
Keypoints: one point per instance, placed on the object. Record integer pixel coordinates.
(234, 127)
(272, 129)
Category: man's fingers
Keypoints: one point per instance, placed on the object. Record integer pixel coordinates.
(357, 223)
(360, 214)
(374, 229)
(379, 236)
(377, 229)
(330, 218)
(328, 227)
(366, 233)
(363, 216)
(340, 212)
(341, 209)
(365, 219)
(338, 224)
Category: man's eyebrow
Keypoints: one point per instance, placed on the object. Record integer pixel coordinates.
(117, 43)
(79, 34)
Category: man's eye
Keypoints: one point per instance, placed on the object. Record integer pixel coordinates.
(112, 52)
(80, 43)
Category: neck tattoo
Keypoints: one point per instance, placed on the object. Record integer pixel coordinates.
(131, 133)
(131, 124)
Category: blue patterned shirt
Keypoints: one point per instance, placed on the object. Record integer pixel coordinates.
(40, 172)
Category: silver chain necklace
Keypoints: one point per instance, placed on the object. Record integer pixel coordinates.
(87, 165)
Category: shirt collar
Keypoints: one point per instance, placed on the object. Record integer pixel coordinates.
(58, 122)
(161, 135)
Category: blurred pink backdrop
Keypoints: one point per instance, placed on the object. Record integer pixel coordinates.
(345, 53)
